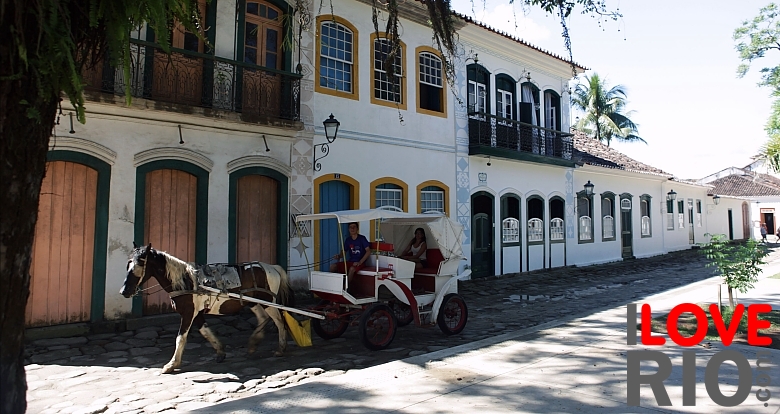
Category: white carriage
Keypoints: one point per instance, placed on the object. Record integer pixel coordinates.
(389, 292)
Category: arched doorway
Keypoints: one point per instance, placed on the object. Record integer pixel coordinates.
(171, 213)
(557, 257)
(257, 216)
(332, 193)
(482, 251)
(68, 266)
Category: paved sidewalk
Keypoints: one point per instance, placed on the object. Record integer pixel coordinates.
(578, 365)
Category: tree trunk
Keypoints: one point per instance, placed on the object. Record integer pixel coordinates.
(731, 298)
(23, 146)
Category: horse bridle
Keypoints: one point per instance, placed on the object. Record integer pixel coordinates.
(141, 280)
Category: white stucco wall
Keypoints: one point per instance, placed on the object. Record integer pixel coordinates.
(128, 132)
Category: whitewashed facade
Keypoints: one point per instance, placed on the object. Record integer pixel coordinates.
(413, 148)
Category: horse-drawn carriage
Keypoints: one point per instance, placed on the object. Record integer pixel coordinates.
(389, 291)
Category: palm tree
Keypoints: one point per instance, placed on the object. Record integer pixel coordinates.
(603, 108)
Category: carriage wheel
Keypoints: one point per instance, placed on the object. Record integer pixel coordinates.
(330, 327)
(452, 314)
(403, 313)
(377, 327)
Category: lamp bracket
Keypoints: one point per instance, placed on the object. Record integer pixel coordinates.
(325, 150)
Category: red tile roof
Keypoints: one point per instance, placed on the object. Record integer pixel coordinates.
(590, 151)
(749, 184)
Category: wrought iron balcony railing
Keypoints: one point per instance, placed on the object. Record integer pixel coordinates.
(487, 132)
(187, 78)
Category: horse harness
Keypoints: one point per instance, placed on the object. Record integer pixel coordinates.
(225, 277)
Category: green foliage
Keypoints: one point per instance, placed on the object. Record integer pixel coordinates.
(602, 108)
(738, 264)
(754, 38)
(54, 40)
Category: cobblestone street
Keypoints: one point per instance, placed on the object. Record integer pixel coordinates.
(121, 372)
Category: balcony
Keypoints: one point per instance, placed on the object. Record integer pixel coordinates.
(509, 139)
(184, 80)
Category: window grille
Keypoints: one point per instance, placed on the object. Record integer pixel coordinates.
(681, 214)
(535, 230)
(510, 230)
(556, 229)
(430, 69)
(645, 226)
(389, 198)
(336, 57)
(432, 199)
(585, 227)
(608, 227)
(645, 222)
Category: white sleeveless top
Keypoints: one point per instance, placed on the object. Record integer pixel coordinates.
(417, 249)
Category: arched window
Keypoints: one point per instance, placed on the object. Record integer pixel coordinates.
(430, 80)
(478, 89)
(608, 217)
(552, 110)
(557, 231)
(337, 54)
(505, 97)
(669, 214)
(529, 106)
(510, 219)
(644, 205)
(431, 199)
(585, 217)
(535, 220)
(263, 34)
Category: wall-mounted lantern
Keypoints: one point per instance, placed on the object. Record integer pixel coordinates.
(716, 199)
(671, 195)
(589, 188)
(331, 130)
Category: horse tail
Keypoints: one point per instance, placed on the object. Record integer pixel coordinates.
(285, 296)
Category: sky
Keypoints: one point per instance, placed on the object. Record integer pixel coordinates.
(678, 64)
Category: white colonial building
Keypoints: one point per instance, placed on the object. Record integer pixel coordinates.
(223, 145)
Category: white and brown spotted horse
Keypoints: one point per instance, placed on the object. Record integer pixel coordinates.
(179, 279)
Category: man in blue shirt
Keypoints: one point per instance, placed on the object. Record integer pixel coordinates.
(357, 249)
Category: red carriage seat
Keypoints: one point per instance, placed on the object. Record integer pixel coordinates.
(434, 258)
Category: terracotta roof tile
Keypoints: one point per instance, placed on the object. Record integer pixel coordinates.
(749, 184)
(588, 150)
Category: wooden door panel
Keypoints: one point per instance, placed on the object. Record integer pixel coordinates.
(63, 249)
(334, 196)
(257, 211)
(169, 224)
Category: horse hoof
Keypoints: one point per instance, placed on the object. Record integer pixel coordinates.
(220, 357)
(278, 354)
(250, 350)
(167, 369)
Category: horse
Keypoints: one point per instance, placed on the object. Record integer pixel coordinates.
(180, 281)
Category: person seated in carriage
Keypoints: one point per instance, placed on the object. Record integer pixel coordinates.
(357, 249)
(415, 252)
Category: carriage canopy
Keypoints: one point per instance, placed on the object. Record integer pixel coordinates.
(398, 227)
